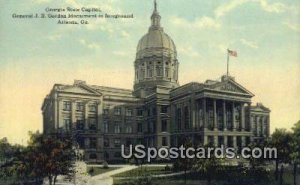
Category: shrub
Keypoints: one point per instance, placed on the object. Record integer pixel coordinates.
(105, 165)
(167, 168)
(91, 171)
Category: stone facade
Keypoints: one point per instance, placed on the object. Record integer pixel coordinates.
(157, 112)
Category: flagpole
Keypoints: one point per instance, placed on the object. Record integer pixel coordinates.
(227, 63)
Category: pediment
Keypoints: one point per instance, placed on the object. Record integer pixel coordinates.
(259, 107)
(231, 86)
(79, 90)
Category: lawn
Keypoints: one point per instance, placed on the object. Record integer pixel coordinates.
(99, 170)
(228, 177)
(144, 171)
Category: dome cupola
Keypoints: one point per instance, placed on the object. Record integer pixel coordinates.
(156, 59)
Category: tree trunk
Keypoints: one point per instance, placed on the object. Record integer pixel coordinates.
(54, 180)
(295, 173)
(281, 175)
(50, 180)
(276, 170)
(184, 176)
(208, 179)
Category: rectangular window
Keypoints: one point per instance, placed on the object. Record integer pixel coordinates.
(79, 107)
(117, 111)
(128, 129)
(92, 124)
(93, 143)
(178, 118)
(159, 71)
(92, 108)
(164, 109)
(150, 127)
(140, 127)
(117, 129)
(128, 142)
(67, 124)
(167, 72)
(140, 112)
(66, 105)
(106, 111)
(80, 124)
(164, 141)
(117, 142)
(154, 110)
(164, 125)
(117, 154)
(105, 129)
(128, 112)
(186, 118)
(106, 142)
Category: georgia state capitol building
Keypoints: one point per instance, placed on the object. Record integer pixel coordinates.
(158, 111)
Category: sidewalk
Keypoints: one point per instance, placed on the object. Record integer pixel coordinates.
(106, 179)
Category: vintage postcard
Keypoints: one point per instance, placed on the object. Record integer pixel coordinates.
(150, 92)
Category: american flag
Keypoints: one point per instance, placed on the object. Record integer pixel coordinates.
(232, 53)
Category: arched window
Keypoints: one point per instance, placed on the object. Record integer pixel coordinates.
(93, 156)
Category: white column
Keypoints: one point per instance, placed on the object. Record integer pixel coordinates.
(205, 140)
(224, 116)
(86, 111)
(55, 110)
(204, 113)
(215, 115)
(225, 141)
(99, 113)
(73, 115)
(242, 118)
(233, 118)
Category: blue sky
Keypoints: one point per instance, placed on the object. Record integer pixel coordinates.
(36, 53)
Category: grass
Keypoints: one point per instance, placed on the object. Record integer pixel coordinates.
(99, 170)
(288, 177)
(144, 170)
(230, 177)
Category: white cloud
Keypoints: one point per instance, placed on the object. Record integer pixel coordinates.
(90, 45)
(207, 22)
(275, 7)
(40, 1)
(188, 51)
(199, 23)
(249, 43)
(125, 34)
(264, 4)
(120, 53)
(225, 8)
(54, 37)
(293, 26)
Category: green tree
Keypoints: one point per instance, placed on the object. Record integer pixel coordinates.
(46, 156)
(257, 162)
(208, 166)
(295, 146)
(280, 139)
(184, 164)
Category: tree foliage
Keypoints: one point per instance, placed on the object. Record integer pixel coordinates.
(45, 156)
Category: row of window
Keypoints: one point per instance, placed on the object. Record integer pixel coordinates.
(129, 112)
(92, 124)
(118, 111)
(67, 106)
(117, 142)
(151, 127)
(117, 129)
(150, 72)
